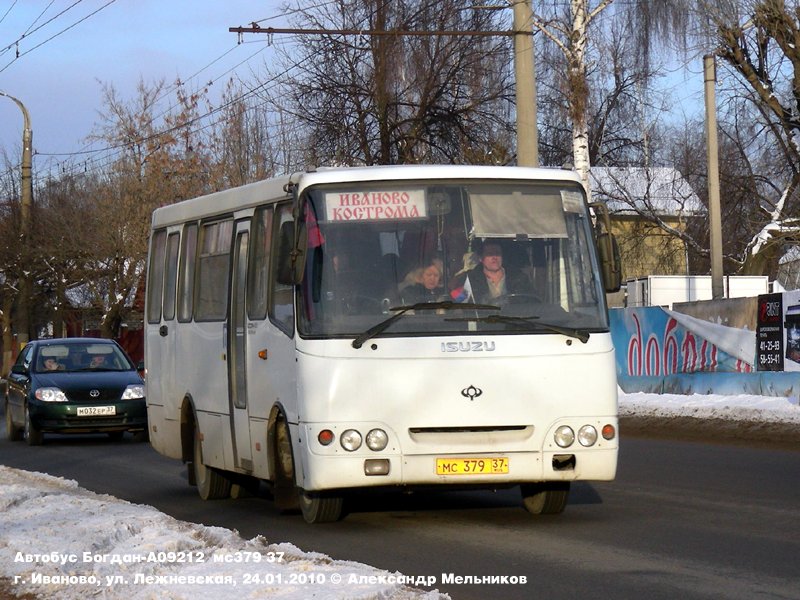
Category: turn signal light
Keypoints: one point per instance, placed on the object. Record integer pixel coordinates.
(325, 437)
(609, 432)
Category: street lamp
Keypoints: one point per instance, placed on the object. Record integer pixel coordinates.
(26, 197)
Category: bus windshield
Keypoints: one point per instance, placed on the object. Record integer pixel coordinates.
(491, 257)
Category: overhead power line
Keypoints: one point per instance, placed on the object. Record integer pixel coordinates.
(383, 32)
(79, 21)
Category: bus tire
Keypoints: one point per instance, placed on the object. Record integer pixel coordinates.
(211, 484)
(13, 433)
(545, 498)
(32, 434)
(321, 509)
(284, 490)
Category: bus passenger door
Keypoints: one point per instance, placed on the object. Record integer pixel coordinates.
(237, 342)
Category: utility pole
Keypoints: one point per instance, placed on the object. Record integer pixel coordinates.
(525, 76)
(712, 149)
(26, 201)
(524, 68)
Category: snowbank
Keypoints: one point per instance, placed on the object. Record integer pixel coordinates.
(58, 540)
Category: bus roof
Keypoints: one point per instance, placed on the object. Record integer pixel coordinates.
(270, 190)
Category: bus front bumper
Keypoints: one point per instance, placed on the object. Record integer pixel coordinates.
(484, 469)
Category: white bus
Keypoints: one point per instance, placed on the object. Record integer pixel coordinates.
(343, 329)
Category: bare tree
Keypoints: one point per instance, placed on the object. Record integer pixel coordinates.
(383, 99)
(160, 161)
(764, 52)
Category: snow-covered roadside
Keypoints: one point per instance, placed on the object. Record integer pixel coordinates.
(764, 409)
(60, 541)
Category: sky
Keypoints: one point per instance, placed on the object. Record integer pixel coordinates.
(115, 533)
(113, 42)
(92, 43)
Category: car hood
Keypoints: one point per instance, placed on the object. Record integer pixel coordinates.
(77, 385)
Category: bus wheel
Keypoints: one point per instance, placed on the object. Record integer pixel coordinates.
(284, 490)
(545, 498)
(320, 509)
(32, 434)
(211, 484)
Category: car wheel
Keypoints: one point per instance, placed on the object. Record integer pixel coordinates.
(32, 434)
(211, 484)
(13, 432)
(545, 498)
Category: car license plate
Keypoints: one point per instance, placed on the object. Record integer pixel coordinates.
(96, 411)
(472, 466)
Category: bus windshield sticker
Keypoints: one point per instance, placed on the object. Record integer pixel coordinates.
(572, 200)
(375, 205)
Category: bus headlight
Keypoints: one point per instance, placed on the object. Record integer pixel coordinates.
(377, 440)
(564, 436)
(587, 435)
(350, 440)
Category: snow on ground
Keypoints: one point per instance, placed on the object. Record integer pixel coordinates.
(765, 409)
(58, 540)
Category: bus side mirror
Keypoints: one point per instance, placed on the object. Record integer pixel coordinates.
(607, 249)
(291, 259)
(610, 262)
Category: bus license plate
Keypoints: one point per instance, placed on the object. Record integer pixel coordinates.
(472, 466)
(96, 411)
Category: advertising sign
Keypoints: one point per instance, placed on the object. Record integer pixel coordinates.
(769, 333)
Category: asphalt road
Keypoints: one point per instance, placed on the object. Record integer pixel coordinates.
(682, 520)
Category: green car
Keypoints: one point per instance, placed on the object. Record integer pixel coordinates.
(74, 385)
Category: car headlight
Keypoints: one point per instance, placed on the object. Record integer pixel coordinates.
(133, 392)
(587, 435)
(50, 394)
(377, 440)
(564, 436)
(350, 440)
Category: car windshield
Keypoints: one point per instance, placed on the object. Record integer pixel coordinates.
(375, 250)
(81, 356)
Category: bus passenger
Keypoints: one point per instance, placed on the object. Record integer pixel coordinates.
(488, 282)
(429, 287)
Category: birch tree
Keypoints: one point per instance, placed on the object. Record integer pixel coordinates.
(570, 34)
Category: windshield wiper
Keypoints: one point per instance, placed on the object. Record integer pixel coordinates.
(401, 310)
(529, 323)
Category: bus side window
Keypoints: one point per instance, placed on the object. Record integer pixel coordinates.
(155, 283)
(258, 280)
(186, 273)
(211, 301)
(281, 298)
(171, 276)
